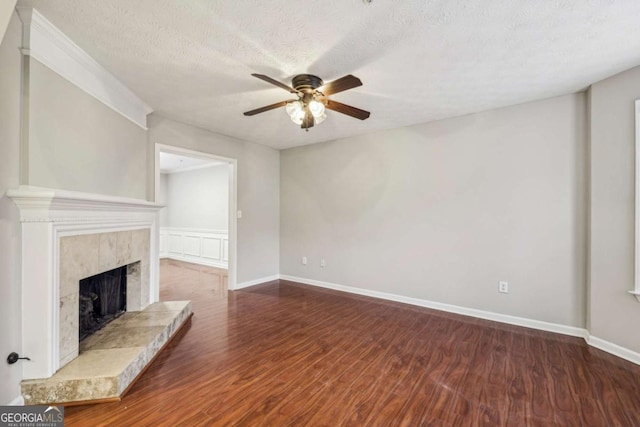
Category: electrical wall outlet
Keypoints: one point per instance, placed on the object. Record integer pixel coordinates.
(503, 287)
(322, 263)
(304, 260)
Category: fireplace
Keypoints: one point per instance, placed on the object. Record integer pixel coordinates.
(67, 237)
(101, 299)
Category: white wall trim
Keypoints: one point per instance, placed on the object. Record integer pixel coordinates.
(636, 291)
(488, 315)
(257, 281)
(192, 168)
(614, 349)
(18, 401)
(44, 42)
(232, 269)
(196, 245)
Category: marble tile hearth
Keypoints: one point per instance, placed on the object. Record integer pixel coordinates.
(112, 358)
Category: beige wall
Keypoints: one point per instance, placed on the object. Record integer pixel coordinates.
(6, 11)
(10, 291)
(443, 211)
(163, 199)
(615, 314)
(78, 143)
(198, 198)
(258, 190)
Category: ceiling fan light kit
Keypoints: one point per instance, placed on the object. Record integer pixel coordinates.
(312, 99)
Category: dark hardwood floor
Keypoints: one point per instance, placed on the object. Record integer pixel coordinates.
(283, 354)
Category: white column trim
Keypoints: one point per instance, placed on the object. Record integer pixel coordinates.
(636, 291)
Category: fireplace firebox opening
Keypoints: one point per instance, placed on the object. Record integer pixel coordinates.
(102, 298)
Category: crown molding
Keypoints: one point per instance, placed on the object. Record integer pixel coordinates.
(43, 41)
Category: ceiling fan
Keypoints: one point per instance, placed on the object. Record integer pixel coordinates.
(308, 109)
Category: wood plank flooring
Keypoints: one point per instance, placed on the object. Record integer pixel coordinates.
(282, 354)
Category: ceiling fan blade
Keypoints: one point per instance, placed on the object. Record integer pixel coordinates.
(275, 82)
(347, 109)
(267, 108)
(340, 85)
(308, 120)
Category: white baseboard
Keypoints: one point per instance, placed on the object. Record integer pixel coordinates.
(18, 401)
(497, 317)
(614, 349)
(596, 342)
(256, 281)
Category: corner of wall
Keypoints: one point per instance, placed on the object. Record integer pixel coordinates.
(588, 212)
(6, 11)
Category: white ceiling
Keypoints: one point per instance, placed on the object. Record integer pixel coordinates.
(172, 163)
(419, 60)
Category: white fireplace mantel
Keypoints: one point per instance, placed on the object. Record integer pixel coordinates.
(47, 215)
(38, 204)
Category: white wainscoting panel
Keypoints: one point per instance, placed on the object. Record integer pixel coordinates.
(192, 245)
(200, 246)
(175, 244)
(211, 247)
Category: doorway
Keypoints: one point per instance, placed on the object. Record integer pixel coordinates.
(199, 224)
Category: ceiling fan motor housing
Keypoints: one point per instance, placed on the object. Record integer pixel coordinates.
(306, 82)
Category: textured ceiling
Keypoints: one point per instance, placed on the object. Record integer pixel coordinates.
(419, 60)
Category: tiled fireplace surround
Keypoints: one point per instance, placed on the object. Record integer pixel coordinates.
(68, 236)
(86, 255)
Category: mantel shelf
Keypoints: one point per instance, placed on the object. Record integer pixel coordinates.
(636, 293)
(47, 204)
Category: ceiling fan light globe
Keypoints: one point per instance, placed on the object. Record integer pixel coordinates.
(320, 119)
(297, 117)
(316, 108)
(293, 107)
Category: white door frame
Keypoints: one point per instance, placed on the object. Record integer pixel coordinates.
(233, 197)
